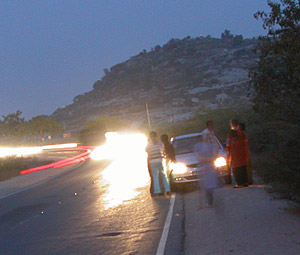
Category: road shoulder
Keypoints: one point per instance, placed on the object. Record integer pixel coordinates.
(243, 221)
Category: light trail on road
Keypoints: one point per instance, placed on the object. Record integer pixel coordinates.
(19, 151)
(26, 151)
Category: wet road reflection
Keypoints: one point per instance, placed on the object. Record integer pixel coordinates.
(128, 171)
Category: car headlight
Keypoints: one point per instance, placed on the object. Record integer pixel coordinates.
(219, 162)
(178, 168)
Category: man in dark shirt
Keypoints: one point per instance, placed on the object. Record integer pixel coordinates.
(169, 149)
(169, 153)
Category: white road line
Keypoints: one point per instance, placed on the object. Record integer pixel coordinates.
(164, 235)
(21, 223)
(26, 188)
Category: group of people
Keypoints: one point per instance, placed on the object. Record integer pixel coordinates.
(238, 154)
(238, 157)
(161, 152)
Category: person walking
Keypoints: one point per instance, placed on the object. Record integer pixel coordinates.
(205, 152)
(155, 150)
(237, 156)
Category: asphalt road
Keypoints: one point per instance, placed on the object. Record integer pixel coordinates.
(86, 211)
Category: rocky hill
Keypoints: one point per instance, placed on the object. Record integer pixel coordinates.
(177, 79)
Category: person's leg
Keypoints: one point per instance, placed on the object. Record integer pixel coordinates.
(165, 178)
(244, 177)
(210, 196)
(155, 177)
(237, 175)
(151, 178)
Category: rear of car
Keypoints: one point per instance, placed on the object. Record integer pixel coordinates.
(187, 169)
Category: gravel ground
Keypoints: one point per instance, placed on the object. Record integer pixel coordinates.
(242, 221)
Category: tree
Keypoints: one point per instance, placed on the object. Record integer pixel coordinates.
(237, 40)
(11, 123)
(94, 130)
(42, 125)
(226, 35)
(275, 80)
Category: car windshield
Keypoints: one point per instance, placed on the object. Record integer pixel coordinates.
(185, 145)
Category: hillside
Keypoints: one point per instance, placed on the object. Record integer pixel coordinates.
(177, 79)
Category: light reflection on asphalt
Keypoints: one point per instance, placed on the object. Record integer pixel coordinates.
(122, 179)
(128, 172)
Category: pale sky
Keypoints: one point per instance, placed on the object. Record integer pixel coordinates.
(52, 51)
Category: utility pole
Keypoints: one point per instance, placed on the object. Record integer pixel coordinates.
(148, 116)
(172, 120)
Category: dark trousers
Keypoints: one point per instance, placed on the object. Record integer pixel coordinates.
(210, 196)
(240, 175)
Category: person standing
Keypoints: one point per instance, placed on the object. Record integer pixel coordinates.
(155, 150)
(169, 148)
(237, 154)
(208, 134)
(205, 152)
(169, 156)
(242, 127)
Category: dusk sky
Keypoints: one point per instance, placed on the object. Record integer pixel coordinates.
(52, 51)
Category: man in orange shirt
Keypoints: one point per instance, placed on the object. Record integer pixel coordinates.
(237, 155)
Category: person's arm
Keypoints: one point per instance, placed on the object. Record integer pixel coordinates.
(163, 150)
(172, 153)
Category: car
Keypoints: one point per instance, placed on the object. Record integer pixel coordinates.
(187, 169)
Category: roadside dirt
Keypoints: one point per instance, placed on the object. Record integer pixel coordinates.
(242, 221)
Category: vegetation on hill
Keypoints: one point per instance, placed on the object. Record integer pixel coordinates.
(94, 130)
(178, 78)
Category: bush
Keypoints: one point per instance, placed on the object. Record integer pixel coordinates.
(94, 130)
(280, 153)
(221, 118)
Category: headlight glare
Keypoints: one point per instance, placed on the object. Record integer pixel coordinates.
(178, 168)
(219, 162)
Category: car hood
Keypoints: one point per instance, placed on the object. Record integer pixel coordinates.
(190, 158)
(187, 158)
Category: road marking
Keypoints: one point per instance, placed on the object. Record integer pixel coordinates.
(165, 233)
(21, 223)
(26, 188)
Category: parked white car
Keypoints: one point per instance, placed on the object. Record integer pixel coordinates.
(187, 169)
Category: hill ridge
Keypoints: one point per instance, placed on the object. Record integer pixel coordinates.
(177, 79)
